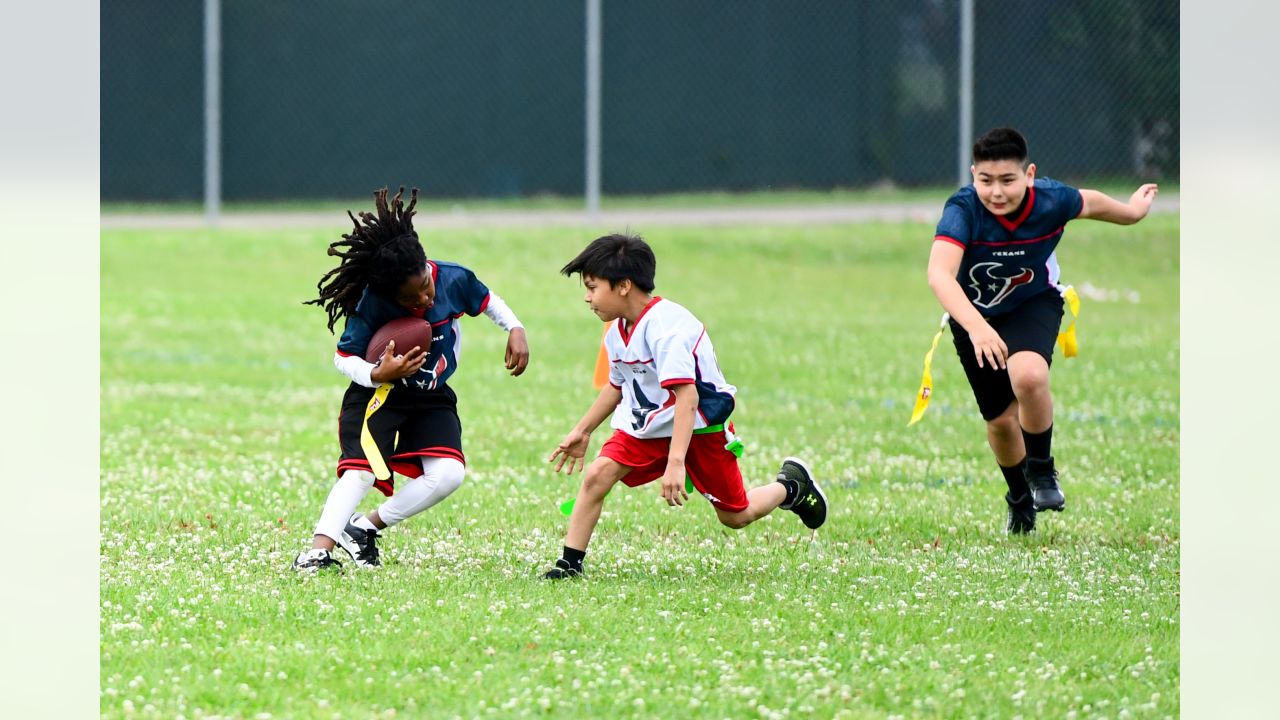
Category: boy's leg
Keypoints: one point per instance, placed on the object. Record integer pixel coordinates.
(598, 479)
(343, 498)
(1029, 376)
(761, 501)
(715, 472)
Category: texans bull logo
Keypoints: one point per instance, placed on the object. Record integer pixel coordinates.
(992, 288)
(441, 364)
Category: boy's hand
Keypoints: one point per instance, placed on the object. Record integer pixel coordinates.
(517, 358)
(1142, 198)
(572, 450)
(393, 367)
(987, 344)
(673, 485)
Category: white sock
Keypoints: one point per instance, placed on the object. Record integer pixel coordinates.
(364, 523)
(440, 477)
(343, 499)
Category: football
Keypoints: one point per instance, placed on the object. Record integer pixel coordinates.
(406, 331)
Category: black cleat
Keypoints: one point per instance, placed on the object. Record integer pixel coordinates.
(314, 560)
(562, 570)
(1042, 478)
(809, 503)
(360, 544)
(1022, 515)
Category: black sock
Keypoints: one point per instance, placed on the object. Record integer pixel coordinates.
(1016, 480)
(1038, 444)
(793, 489)
(574, 557)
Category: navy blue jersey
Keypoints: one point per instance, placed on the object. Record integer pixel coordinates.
(458, 292)
(1009, 259)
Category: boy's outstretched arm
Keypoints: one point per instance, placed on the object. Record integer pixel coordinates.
(944, 263)
(1099, 206)
(573, 448)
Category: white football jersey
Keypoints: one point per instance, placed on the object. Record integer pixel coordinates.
(668, 346)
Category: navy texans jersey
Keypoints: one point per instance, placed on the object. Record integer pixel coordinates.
(1009, 259)
(458, 292)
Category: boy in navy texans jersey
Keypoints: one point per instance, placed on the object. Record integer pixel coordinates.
(403, 400)
(994, 270)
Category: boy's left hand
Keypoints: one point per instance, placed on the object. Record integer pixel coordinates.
(673, 485)
(1142, 198)
(517, 357)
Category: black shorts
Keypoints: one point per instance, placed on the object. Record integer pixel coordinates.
(409, 426)
(1032, 326)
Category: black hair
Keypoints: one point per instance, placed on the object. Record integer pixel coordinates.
(616, 258)
(381, 253)
(1001, 144)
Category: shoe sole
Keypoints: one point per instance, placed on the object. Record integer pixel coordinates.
(813, 486)
(1055, 508)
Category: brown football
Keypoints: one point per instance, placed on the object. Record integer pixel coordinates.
(406, 331)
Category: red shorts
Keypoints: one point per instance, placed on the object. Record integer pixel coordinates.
(713, 469)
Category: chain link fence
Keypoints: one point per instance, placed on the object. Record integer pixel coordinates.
(487, 99)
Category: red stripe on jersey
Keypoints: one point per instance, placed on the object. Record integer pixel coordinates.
(625, 333)
(676, 381)
(344, 353)
(484, 304)
(951, 240)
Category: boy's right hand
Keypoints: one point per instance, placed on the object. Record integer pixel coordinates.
(571, 450)
(987, 344)
(392, 367)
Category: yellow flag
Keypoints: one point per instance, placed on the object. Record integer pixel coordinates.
(1067, 338)
(926, 382)
(371, 452)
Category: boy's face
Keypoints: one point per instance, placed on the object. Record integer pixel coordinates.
(1001, 184)
(418, 291)
(606, 300)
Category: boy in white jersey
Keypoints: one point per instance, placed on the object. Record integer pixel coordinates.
(670, 405)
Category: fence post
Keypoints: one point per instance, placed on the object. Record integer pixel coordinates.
(966, 90)
(593, 109)
(212, 110)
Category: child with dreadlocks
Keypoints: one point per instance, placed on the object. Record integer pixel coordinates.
(402, 405)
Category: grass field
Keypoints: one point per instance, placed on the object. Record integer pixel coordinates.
(219, 406)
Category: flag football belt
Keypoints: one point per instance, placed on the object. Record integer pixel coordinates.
(732, 442)
(1066, 339)
(371, 451)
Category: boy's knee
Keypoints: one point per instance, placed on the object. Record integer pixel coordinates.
(736, 521)
(1030, 379)
(452, 473)
(364, 477)
(596, 481)
(1005, 425)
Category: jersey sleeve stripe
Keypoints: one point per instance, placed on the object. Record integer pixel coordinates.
(344, 353)
(946, 238)
(676, 381)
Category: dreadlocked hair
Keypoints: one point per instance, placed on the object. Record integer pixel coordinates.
(380, 253)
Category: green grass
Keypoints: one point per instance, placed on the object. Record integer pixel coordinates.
(218, 447)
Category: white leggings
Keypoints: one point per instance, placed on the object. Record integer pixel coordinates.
(440, 477)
